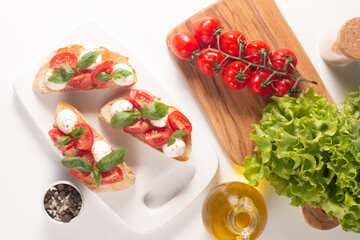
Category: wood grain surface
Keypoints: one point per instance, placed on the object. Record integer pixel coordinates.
(231, 112)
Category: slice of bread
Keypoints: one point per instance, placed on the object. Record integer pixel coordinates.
(105, 115)
(129, 177)
(39, 84)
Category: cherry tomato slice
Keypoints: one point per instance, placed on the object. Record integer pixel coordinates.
(207, 60)
(255, 83)
(229, 42)
(157, 136)
(87, 139)
(231, 74)
(204, 28)
(282, 86)
(55, 134)
(88, 157)
(106, 66)
(139, 126)
(252, 48)
(82, 79)
(64, 60)
(112, 176)
(179, 121)
(139, 98)
(278, 60)
(183, 44)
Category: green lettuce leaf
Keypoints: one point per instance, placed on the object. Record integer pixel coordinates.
(308, 149)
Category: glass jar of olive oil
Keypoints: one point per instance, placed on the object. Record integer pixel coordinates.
(234, 211)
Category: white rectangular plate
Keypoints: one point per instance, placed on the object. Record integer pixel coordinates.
(163, 187)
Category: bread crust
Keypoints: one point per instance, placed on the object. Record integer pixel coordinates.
(129, 177)
(105, 115)
(39, 80)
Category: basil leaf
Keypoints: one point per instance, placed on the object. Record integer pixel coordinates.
(77, 132)
(87, 60)
(138, 113)
(78, 164)
(104, 76)
(97, 177)
(179, 133)
(154, 110)
(174, 135)
(112, 160)
(123, 119)
(121, 73)
(63, 141)
(62, 75)
(171, 140)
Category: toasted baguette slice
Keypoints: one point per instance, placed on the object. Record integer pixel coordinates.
(43, 73)
(106, 116)
(129, 177)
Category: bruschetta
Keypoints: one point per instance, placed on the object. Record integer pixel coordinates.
(79, 141)
(145, 117)
(75, 69)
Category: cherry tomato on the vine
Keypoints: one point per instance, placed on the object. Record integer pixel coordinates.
(211, 61)
(278, 60)
(183, 45)
(251, 54)
(282, 85)
(229, 42)
(204, 29)
(235, 76)
(256, 81)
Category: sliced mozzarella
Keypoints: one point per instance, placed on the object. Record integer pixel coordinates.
(100, 149)
(52, 85)
(175, 150)
(125, 81)
(97, 61)
(120, 106)
(66, 120)
(161, 122)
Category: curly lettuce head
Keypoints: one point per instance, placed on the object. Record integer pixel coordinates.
(308, 151)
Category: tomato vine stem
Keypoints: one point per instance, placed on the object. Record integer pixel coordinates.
(264, 58)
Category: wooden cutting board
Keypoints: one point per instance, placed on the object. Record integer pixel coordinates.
(231, 112)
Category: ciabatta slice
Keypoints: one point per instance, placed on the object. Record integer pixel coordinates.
(39, 84)
(129, 177)
(105, 115)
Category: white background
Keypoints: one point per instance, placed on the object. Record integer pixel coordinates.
(30, 28)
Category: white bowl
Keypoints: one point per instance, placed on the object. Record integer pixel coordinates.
(53, 185)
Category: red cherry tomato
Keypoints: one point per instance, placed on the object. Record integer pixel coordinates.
(139, 98)
(55, 134)
(252, 48)
(63, 60)
(204, 29)
(87, 139)
(183, 45)
(88, 157)
(139, 126)
(112, 176)
(255, 83)
(230, 75)
(157, 136)
(82, 79)
(229, 42)
(106, 66)
(278, 60)
(179, 121)
(206, 61)
(282, 86)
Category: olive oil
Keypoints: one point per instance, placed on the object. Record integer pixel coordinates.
(234, 210)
